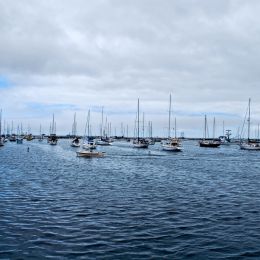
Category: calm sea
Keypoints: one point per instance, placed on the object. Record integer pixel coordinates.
(199, 204)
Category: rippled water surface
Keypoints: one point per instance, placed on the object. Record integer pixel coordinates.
(198, 204)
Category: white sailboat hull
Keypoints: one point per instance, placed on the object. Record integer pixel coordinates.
(171, 148)
(140, 144)
(89, 146)
(89, 154)
(250, 146)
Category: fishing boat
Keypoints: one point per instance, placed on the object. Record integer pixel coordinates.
(249, 144)
(90, 153)
(225, 139)
(1, 138)
(171, 144)
(139, 142)
(88, 141)
(207, 142)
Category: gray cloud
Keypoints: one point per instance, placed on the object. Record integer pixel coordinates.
(95, 53)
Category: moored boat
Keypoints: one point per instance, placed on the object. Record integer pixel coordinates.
(139, 142)
(207, 142)
(53, 139)
(171, 144)
(90, 153)
(1, 138)
(249, 144)
(75, 142)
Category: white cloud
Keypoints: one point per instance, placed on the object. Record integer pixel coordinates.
(108, 53)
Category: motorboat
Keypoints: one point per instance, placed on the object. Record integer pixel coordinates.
(90, 154)
(172, 145)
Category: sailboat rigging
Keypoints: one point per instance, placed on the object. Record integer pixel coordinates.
(249, 144)
(171, 144)
(139, 142)
(207, 142)
(1, 138)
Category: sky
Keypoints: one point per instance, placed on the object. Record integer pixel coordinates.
(61, 57)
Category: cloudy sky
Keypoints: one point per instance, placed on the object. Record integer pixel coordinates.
(66, 56)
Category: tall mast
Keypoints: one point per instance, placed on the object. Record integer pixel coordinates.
(74, 126)
(88, 120)
(214, 123)
(138, 120)
(53, 127)
(258, 131)
(205, 127)
(1, 124)
(175, 127)
(248, 134)
(143, 126)
(169, 123)
(102, 123)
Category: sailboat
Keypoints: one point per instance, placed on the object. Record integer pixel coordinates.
(1, 138)
(171, 144)
(206, 142)
(88, 142)
(41, 135)
(75, 141)
(103, 140)
(19, 139)
(249, 144)
(53, 139)
(139, 142)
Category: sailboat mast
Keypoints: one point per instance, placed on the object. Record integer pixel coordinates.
(143, 126)
(88, 120)
(258, 132)
(74, 126)
(52, 128)
(249, 103)
(138, 120)
(101, 134)
(0, 124)
(205, 127)
(169, 122)
(175, 131)
(214, 123)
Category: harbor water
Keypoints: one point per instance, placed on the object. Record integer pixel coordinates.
(201, 203)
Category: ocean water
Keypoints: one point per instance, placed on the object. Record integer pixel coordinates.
(198, 204)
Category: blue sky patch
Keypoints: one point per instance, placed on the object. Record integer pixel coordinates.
(43, 109)
(4, 82)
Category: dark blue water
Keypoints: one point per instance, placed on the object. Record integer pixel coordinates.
(198, 204)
